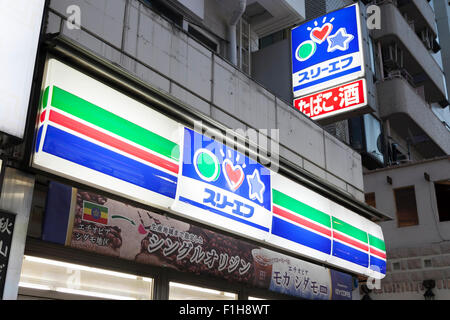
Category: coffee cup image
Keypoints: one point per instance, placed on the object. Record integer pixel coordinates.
(262, 265)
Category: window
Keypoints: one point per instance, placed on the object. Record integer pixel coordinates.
(45, 278)
(199, 36)
(443, 199)
(179, 291)
(405, 201)
(273, 38)
(243, 42)
(163, 9)
(372, 55)
(370, 199)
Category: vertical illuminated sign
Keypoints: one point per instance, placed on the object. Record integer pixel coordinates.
(327, 51)
(20, 22)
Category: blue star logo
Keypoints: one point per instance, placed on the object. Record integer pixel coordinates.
(339, 41)
(256, 187)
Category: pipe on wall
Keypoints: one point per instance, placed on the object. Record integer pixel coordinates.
(236, 15)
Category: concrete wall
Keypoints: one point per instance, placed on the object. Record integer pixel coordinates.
(271, 66)
(169, 60)
(408, 247)
(429, 229)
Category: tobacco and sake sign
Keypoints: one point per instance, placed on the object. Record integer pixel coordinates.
(328, 64)
(91, 133)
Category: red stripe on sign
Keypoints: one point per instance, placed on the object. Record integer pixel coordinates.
(111, 141)
(378, 253)
(91, 218)
(42, 117)
(350, 241)
(299, 220)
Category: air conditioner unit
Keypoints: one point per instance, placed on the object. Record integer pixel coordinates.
(397, 155)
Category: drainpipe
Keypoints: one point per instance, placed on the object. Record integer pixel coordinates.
(236, 15)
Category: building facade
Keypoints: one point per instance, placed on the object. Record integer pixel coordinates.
(159, 160)
(404, 140)
(404, 145)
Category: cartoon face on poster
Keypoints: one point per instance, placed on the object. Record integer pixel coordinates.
(327, 51)
(222, 187)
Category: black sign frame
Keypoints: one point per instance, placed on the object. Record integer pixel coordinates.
(7, 222)
(2, 173)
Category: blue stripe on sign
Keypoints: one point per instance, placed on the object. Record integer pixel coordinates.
(38, 140)
(377, 265)
(223, 214)
(333, 76)
(345, 252)
(300, 235)
(87, 154)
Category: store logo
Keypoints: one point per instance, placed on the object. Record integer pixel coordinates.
(233, 174)
(206, 165)
(208, 168)
(320, 34)
(338, 41)
(220, 185)
(327, 51)
(256, 187)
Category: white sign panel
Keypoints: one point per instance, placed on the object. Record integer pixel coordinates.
(20, 22)
(91, 133)
(309, 224)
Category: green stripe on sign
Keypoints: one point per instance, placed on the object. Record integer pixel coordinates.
(300, 208)
(376, 242)
(45, 98)
(349, 230)
(95, 115)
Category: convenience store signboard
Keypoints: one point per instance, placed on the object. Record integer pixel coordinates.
(328, 64)
(95, 135)
(327, 51)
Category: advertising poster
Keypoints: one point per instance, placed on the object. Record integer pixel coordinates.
(109, 227)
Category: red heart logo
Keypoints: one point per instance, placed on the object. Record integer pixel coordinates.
(233, 174)
(320, 34)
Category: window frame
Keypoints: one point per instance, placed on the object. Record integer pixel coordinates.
(397, 209)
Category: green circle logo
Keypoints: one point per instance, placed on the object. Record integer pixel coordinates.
(305, 50)
(206, 165)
